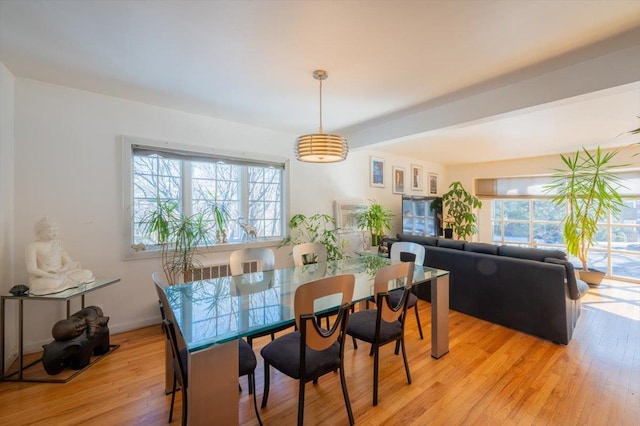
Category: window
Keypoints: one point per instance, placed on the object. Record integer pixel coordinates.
(251, 190)
(537, 222)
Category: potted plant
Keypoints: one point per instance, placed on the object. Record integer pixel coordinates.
(179, 236)
(319, 228)
(460, 205)
(436, 207)
(376, 218)
(221, 216)
(589, 187)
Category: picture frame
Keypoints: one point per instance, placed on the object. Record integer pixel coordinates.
(346, 213)
(398, 179)
(416, 177)
(433, 183)
(376, 172)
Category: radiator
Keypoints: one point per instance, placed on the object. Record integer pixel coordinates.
(217, 271)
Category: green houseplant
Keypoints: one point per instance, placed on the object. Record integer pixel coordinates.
(178, 235)
(221, 216)
(459, 205)
(319, 228)
(589, 187)
(436, 207)
(376, 218)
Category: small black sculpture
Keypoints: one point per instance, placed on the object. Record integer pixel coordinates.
(83, 334)
(19, 290)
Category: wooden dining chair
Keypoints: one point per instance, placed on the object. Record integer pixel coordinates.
(408, 251)
(306, 253)
(180, 356)
(385, 324)
(311, 352)
(309, 253)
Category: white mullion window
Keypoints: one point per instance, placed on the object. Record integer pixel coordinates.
(197, 181)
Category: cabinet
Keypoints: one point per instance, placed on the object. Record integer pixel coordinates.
(418, 218)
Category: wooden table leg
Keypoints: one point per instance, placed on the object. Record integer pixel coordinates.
(440, 316)
(213, 385)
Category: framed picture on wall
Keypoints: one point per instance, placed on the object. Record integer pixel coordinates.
(433, 183)
(416, 177)
(398, 180)
(376, 172)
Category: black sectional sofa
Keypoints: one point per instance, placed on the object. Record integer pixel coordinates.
(527, 289)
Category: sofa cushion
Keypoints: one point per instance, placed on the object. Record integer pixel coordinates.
(583, 287)
(420, 239)
(530, 253)
(485, 248)
(451, 244)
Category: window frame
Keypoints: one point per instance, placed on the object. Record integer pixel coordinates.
(128, 143)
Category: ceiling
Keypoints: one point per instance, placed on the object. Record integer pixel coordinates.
(252, 62)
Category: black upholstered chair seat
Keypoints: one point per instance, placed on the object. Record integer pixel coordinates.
(247, 358)
(360, 327)
(396, 295)
(284, 354)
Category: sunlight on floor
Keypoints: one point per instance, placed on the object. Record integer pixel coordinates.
(616, 297)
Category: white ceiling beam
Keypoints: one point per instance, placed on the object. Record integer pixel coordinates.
(603, 72)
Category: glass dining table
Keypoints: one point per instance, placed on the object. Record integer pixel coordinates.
(212, 314)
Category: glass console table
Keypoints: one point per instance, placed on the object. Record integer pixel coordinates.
(65, 296)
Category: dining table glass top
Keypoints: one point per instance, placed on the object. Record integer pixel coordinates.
(219, 310)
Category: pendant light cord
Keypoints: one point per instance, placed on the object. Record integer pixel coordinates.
(320, 129)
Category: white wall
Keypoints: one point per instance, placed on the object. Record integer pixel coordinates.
(7, 84)
(67, 166)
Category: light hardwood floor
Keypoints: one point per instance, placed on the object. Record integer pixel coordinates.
(492, 376)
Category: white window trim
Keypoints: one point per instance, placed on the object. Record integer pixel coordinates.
(126, 145)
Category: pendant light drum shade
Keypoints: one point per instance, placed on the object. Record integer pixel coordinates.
(321, 147)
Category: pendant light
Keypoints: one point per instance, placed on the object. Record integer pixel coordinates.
(321, 147)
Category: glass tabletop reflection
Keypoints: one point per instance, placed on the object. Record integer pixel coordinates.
(218, 310)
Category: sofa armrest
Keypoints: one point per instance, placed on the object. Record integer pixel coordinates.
(575, 291)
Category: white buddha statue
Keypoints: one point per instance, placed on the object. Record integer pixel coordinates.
(50, 268)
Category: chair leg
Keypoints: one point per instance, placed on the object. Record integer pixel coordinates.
(315, 381)
(406, 363)
(301, 402)
(252, 384)
(273, 336)
(184, 406)
(345, 394)
(418, 321)
(355, 343)
(265, 391)
(173, 398)
(376, 352)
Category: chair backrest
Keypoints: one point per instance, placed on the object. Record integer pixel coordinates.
(262, 255)
(304, 310)
(381, 287)
(160, 281)
(180, 356)
(398, 248)
(167, 314)
(315, 251)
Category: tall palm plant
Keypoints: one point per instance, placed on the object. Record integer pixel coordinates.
(589, 186)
